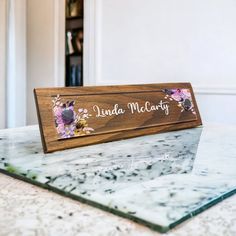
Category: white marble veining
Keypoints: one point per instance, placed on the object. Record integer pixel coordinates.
(158, 179)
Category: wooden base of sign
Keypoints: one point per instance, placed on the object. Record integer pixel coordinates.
(78, 116)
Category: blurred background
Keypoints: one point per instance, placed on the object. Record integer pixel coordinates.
(48, 43)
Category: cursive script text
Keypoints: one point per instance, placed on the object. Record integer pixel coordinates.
(101, 112)
(148, 107)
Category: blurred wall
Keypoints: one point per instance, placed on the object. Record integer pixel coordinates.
(45, 52)
(3, 9)
(128, 42)
(171, 41)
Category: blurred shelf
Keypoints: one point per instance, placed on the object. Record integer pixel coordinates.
(75, 54)
(75, 23)
(74, 61)
(74, 17)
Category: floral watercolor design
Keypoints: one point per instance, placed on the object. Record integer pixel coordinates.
(70, 123)
(183, 97)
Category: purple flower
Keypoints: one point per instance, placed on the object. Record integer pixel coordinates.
(68, 122)
(68, 116)
(182, 96)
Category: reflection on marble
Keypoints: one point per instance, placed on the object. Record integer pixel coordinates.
(158, 180)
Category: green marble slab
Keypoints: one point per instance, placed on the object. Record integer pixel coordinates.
(157, 180)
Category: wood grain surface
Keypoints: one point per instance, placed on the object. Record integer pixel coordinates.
(90, 115)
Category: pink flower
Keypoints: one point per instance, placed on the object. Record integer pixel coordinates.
(177, 95)
(61, 129)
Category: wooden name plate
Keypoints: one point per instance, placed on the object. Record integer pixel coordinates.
(78, 116)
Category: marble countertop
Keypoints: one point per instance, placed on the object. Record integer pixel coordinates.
(29, 210)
